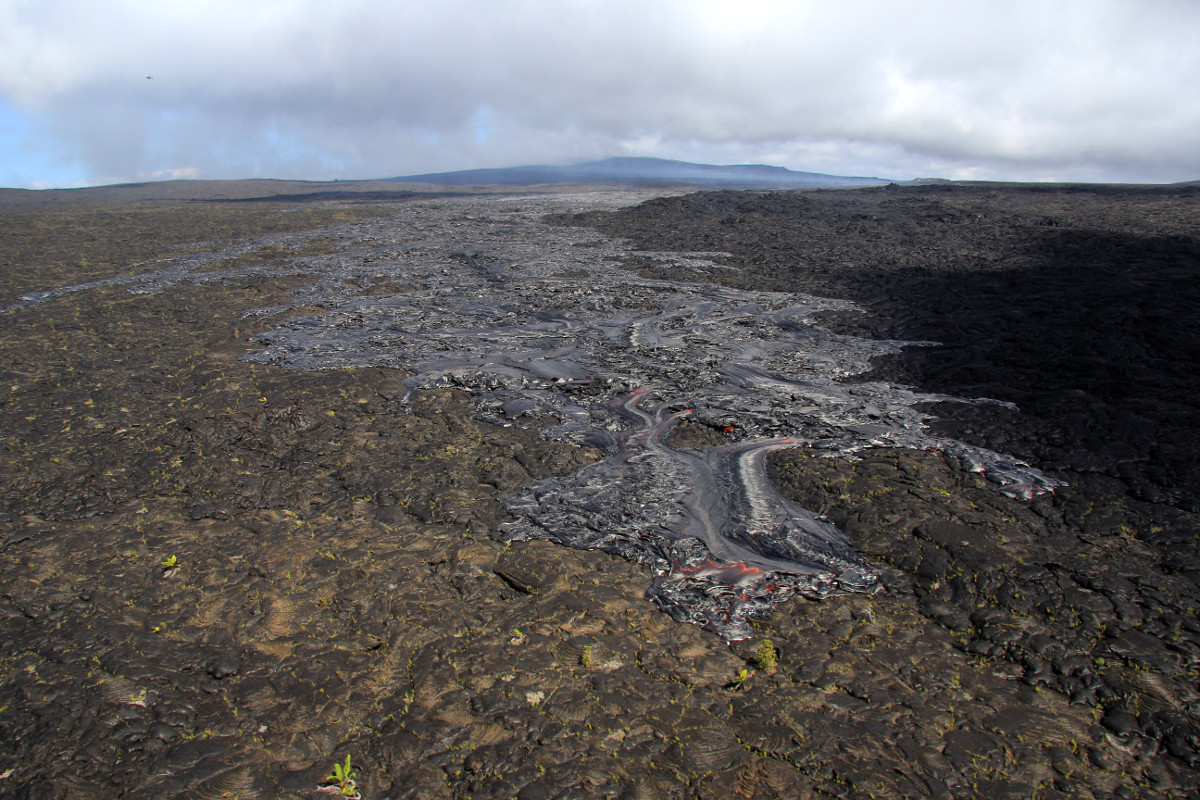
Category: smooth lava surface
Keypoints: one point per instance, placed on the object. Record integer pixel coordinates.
(537, 321)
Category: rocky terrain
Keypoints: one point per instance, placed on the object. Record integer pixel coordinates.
(1078, 304)
(220, 577)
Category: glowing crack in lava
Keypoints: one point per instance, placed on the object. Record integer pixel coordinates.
(722, 542)
(538, 320)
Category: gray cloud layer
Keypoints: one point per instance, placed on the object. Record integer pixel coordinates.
(1084, 90)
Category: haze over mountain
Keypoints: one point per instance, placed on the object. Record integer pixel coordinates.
(125, 90)
(656, 171)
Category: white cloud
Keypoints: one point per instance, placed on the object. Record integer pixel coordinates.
(1088, 89)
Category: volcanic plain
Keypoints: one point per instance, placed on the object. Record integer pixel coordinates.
(218, 578)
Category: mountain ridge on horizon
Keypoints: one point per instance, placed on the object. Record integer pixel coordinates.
(643, 170)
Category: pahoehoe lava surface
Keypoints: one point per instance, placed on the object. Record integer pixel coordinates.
(527, 321)
(350, 578)
(1078, 305)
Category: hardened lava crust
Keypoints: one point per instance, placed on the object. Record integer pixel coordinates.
(289, 479)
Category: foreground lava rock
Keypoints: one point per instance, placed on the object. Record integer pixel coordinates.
(340, 587)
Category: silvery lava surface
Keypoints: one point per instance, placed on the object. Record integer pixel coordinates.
(538, 320)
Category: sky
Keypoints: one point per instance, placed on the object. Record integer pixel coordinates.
(95, 93)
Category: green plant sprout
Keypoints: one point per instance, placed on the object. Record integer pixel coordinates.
(343, 779)
(740, 681)
(170, 566)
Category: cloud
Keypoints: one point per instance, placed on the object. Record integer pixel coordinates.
(1095, 89)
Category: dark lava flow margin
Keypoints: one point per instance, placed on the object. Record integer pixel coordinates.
(539, 321)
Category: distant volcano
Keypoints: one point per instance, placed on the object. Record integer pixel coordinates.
(654, 171)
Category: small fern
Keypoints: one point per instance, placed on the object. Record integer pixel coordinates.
(766, 656)
(343, 779)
